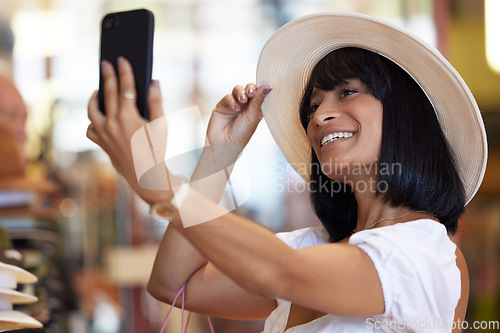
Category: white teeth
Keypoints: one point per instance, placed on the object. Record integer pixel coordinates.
(334, 136)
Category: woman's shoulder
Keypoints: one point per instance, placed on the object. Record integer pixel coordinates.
(412, 234)
(421, 244)
(304, 237)
(423, 231)
(417, 265)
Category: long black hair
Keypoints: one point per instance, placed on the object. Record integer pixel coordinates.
(423, 175)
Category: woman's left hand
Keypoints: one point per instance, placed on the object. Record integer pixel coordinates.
(236, 116)
(113, 132)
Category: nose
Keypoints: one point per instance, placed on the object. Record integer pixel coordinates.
(324, 113)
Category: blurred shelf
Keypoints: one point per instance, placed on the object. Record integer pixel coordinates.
(34, 212)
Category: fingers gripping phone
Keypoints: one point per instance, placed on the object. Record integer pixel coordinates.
(129, 34)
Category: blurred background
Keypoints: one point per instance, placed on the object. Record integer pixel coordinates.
(90, 240)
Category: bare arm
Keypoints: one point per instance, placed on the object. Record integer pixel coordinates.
(177, 261)
(332, 278)
(208, 289)
(461, 308)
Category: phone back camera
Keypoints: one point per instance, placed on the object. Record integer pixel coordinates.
(109, 23)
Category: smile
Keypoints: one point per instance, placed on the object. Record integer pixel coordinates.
(335, 136)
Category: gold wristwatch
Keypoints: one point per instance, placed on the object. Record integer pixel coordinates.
(163, 211)
(166, 211)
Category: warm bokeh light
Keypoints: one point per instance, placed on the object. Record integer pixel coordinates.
(42, 33)
(492, 23)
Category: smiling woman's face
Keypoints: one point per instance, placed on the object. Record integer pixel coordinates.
(345, 130)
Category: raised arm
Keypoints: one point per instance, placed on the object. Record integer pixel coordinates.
(233, 121)
(334, 278)
(208, 291)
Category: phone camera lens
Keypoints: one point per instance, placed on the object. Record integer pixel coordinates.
(109, 22)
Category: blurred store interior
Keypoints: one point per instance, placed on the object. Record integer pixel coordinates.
(91, 242)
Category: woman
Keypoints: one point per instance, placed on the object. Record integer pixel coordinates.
(388, 178)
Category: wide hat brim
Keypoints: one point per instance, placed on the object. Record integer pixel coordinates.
(288, 57)
(22, 275)
(10, 319)
(17, 297)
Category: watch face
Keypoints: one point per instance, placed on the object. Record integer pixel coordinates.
(163, 212)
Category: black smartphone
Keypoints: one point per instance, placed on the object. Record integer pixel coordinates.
(129, 34)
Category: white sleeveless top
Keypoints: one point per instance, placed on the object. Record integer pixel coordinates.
(416, 264)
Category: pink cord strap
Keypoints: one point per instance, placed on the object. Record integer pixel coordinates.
(183, 292)
(172, 306)
(210, 324)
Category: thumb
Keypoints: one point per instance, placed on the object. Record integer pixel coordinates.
(155, 101)
(258, 99)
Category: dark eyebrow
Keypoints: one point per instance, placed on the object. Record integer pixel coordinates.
(341, 84)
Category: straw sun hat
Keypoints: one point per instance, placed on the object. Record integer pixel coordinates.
(14, 320)
(10, 276)
(291, 53)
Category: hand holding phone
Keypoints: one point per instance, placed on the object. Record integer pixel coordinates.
(129, 34)
(115, 131)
